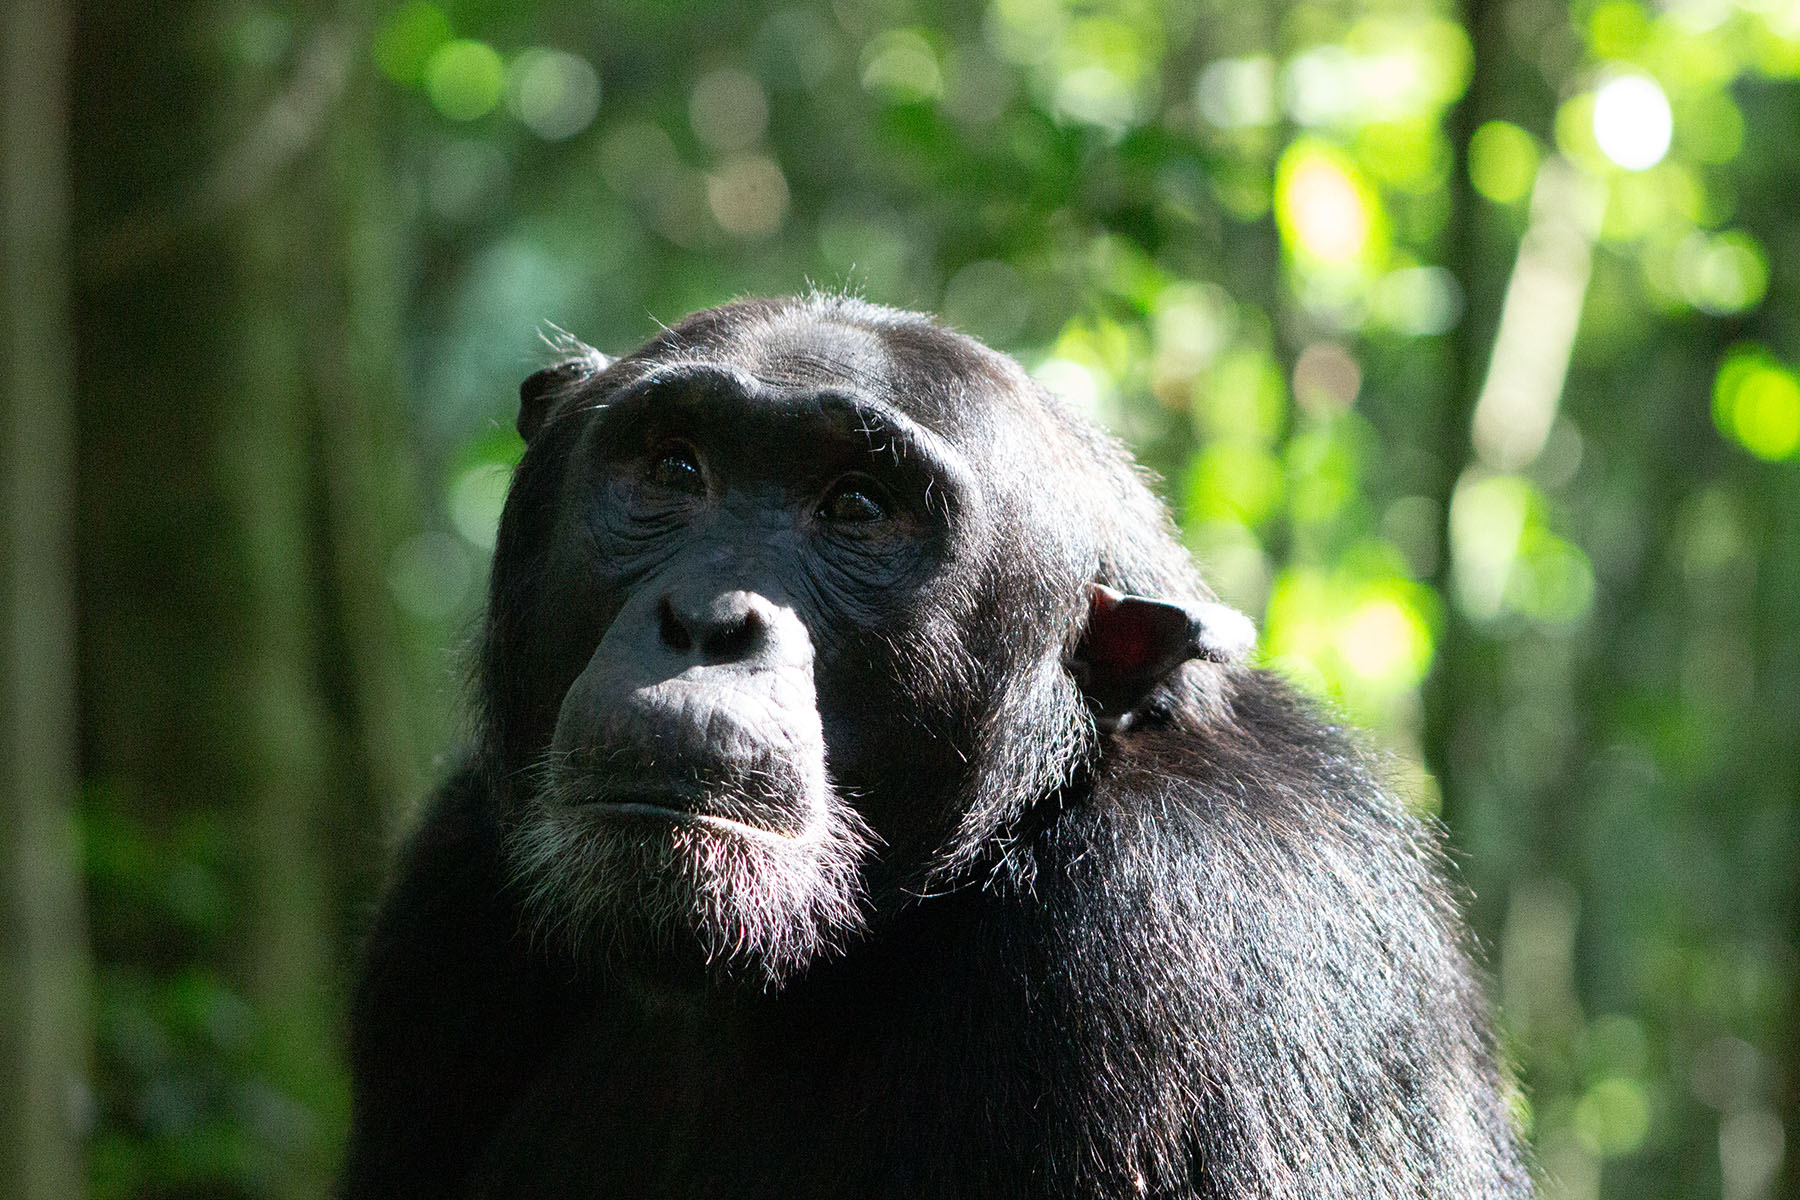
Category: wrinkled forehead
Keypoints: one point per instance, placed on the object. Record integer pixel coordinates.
(950, 385)
(796, 355)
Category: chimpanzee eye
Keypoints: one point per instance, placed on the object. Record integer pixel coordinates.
(678, 469)
(854, 501)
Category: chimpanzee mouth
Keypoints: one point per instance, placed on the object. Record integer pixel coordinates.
(652, 810)
(760, 813)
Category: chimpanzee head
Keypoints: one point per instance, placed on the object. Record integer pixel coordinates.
(799, 609)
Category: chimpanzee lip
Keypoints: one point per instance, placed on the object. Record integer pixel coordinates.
(684, 806)
(684, 817)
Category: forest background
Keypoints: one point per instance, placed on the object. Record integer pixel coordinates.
(1464, 339)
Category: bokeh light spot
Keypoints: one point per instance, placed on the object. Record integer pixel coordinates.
(1026, 32)
(1617, 28)
(1236, 482)
(408, 38)
(1756, 403)
(1323, 473)
(1419, 301)
(553, 93)
(1326, 378)
(1328, 214)
(728, 109)
(1711, 127)
(1503, 162)
(1234, 93)
(474, 500)
(1385, 641)
(464, 79)
(748, 196)
(1613, 1117)
(1361, 634)
(1722, 274)
(1552, 581)
(1193, 323)
(1487, 523)
(1411, 154)
(1632, 121)
(1075, 383)
(1244, 399)
(1750, 1151)
(900, 66)
(1318, 86)
(1094, 95)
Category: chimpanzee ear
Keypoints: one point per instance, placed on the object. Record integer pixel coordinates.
(1132, 643)
(539, 392)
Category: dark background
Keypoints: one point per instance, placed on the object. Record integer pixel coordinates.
(272, 272)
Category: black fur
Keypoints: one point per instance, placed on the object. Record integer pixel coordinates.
(1195, 953)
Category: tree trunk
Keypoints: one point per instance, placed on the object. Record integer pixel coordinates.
(241, 422)
(1449, 690)
(44, 1011)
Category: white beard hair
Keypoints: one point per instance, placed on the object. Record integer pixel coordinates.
(753, 903)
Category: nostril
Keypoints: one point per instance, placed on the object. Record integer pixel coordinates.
(674, 634)
(734, 640)
(717, 630)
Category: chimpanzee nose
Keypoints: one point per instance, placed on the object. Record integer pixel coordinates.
(728, 627)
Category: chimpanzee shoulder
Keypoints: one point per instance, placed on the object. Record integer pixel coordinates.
(452, 1015)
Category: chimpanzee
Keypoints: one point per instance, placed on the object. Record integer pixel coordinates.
(870, 800)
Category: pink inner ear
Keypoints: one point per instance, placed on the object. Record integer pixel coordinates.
(1114, 638)
(1130, 646)
(1129, 633)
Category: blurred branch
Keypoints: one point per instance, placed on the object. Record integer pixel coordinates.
(368, 481)
(44, 1019)
(1539, 318)
(247, 170)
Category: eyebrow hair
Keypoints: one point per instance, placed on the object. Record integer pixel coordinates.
(872, 418)
(884, 427)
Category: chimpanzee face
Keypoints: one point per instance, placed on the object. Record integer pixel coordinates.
(780, 607)
(739, 549)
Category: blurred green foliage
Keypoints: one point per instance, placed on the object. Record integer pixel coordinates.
(1465, 344)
